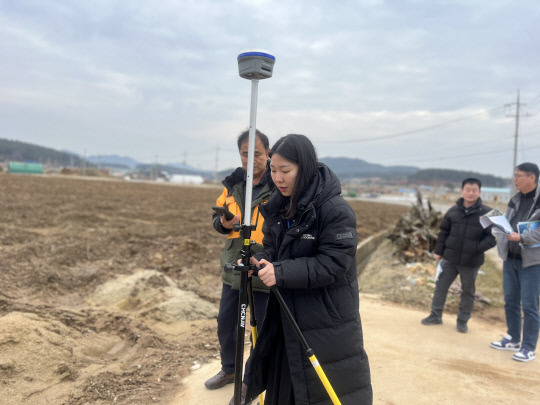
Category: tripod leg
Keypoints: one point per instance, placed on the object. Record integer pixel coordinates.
(252, 316)
(308, 350)
(240, 333)
(253, 324)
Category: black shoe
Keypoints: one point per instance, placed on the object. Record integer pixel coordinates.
(242, 397)
(432, 320)
(219, 380)
(462, 327)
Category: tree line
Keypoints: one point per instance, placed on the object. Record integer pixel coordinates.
(447, 176)
(26, 152)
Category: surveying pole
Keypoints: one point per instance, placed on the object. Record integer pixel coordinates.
(253, 66)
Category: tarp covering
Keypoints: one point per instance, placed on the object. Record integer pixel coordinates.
(27, 168)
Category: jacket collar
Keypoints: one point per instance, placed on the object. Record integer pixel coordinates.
(460, 202)
(239, 175)
(517, 197)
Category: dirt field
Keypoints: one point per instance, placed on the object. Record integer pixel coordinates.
(110, 289)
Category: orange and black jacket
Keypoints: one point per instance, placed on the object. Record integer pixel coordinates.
(233, 197)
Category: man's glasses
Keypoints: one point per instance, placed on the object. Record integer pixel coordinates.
(517, 176)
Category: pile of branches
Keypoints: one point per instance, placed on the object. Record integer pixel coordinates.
(415, 234)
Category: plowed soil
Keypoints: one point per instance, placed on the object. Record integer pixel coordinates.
(109, 289)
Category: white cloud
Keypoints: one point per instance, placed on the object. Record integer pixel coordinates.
(143, 78)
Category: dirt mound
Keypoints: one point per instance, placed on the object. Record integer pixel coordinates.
(36, 350)
(150, 294)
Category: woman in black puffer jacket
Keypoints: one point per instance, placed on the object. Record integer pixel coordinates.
(309, 253)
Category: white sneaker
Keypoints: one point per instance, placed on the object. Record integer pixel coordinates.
(506, 344)
(524, 355)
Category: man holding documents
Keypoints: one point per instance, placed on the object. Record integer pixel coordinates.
(460, 247)
(520, 251)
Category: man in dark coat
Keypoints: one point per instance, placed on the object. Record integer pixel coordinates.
(460, 247)
(313, 256)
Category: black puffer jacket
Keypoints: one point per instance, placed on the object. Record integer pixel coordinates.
(462, 240)
(315, 269)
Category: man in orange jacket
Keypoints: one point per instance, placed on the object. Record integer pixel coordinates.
(233, 197)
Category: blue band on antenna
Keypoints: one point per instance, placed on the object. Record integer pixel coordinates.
(263, 54)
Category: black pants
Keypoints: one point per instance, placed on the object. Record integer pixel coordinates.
(279, 389)
(227, 319)
(467, 275)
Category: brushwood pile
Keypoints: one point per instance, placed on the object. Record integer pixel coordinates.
(415, 234)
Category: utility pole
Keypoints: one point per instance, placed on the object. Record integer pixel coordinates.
(216, 163)
(184, 163)
(517, 115)
(516, 133)
(84, 163)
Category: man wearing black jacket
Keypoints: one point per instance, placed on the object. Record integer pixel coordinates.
(460, 247)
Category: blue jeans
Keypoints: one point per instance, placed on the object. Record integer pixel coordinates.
(521, 290)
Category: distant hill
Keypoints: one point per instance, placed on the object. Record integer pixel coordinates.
(182, 166)
(129, 163)
(439, 176)
(344, 167)
(148, 167)
(349, 167)
(27, 152)
(113, 161)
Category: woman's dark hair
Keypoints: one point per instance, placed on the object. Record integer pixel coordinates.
(297, 149)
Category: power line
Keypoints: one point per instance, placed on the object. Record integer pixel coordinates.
(534, 100)
(461, 155)
(414, 131)
(460, 148)
(447, 157)
(469, 146)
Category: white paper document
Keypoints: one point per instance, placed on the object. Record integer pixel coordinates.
(496, 218)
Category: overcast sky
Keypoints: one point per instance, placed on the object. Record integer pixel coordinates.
(403, 82)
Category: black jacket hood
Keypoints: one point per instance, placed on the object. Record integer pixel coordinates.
(324, 186)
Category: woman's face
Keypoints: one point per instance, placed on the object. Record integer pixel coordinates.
(284, 174)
